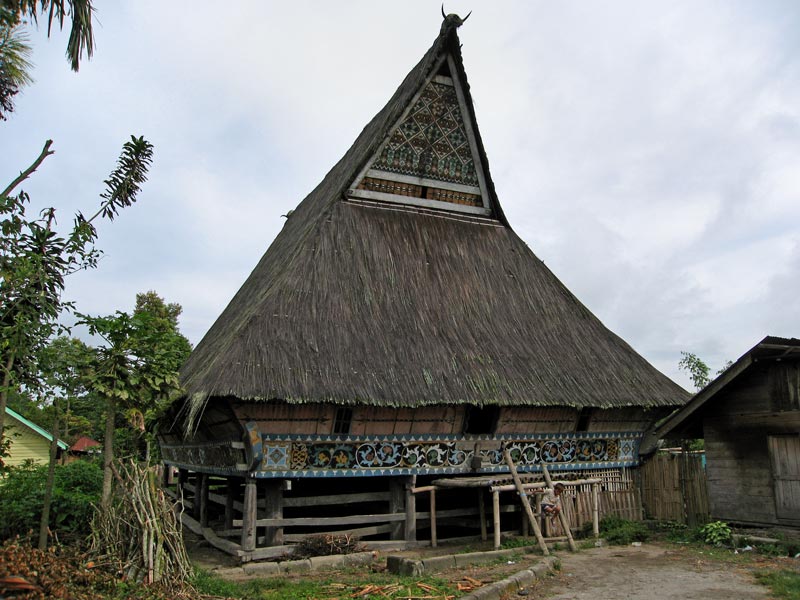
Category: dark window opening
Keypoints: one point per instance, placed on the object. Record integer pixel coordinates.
(584, 416)
(481, 419)
(342, 421)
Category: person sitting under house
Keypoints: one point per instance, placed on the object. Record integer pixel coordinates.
(551, 501)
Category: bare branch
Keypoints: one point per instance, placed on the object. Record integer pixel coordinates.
(27, 172)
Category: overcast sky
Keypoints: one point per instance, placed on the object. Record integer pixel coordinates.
(648, 152)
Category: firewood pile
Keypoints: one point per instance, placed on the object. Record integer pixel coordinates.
(140, 534)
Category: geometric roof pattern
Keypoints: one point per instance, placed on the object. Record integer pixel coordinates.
(431, 141)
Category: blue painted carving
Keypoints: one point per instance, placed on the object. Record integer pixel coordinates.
(332, 456)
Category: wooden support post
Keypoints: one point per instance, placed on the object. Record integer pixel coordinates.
(496, 518)
(165, 478)
(198, 481)
(596, 510)
(183, 475)
(273, 509)
(203, 492)
(482, 513)
(411, 510)
(433, 518)
(249, 515)
(397, 503)
(523, 497)
(230, 498)
(562, 518)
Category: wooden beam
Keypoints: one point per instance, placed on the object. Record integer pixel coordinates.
(359, 531)
(523, 497)
(324, 521)
(336, 499)
(561, 516)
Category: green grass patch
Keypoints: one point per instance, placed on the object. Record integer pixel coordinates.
(782, 584)
(338, 585)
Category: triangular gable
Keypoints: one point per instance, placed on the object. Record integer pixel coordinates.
(430, 157)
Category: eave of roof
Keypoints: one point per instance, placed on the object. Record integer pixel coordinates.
(31, 425)
(770, 348)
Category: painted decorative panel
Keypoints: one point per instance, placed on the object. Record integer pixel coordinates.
(431, 142)
(346, 456)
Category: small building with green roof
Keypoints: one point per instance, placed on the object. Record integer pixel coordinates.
(28, 440)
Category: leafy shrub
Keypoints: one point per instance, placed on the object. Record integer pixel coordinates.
(77, 487)
(716, 533)
(674, 531)
(619, 531)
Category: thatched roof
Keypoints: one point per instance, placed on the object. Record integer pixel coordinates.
(367, 302)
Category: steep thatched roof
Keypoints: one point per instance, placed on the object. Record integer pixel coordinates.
(367, 302)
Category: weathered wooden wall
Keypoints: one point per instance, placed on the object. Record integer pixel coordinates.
(318, 419)
(737, 426)
(675, 488)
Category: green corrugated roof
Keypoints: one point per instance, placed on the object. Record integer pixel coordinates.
(42, 432)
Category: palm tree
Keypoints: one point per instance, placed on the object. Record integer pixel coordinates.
(15, 67)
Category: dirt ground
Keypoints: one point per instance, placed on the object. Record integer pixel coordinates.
(653, 571)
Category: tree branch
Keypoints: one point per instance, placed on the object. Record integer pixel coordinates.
(27, 172)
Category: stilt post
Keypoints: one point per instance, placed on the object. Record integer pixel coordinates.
(496, 518)
(203, 493)
(482, 513)
(249, 515)
(273, 509)
(230, 496)
(411, 510)
(434, 541)
(397, 503)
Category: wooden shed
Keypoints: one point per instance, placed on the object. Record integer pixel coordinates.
(398, 327)
(749, 417)
(29, 442)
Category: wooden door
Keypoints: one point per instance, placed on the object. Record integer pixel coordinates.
(784, 454)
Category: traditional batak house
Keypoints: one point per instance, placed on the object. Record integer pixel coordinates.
(749, 417)
(396, 331)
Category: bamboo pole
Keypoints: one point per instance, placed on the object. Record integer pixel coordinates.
(596, 510)
(561, 516)
(523, 497)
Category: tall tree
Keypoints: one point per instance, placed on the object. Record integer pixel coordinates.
(60, 364)
(35, 260)
(137, 367)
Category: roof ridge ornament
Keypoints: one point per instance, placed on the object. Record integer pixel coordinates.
(451, 21)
